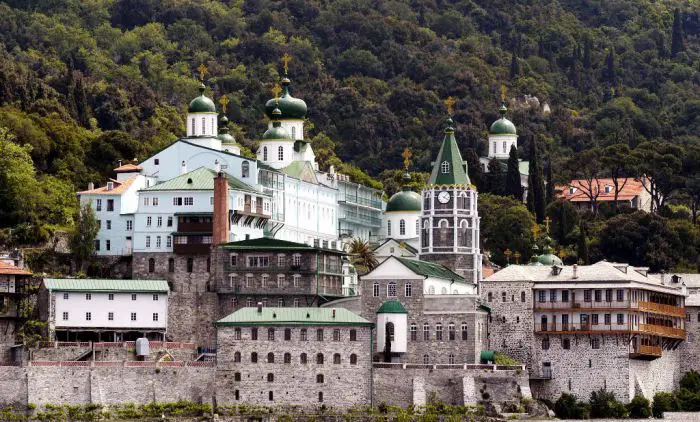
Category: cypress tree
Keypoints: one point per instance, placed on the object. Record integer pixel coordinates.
(514, 66)
(587, 54)
(496, 179)
(529, 198)
(512, 185)
(550, 184)
(677, 34)
(610, 71)
(574, 74)
(536, 184)
(582, 246)
(476, 173)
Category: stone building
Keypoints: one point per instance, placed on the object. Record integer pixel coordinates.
(304, 357)
(14, 286)
(584, 328)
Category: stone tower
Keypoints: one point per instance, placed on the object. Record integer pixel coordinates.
(449, 217)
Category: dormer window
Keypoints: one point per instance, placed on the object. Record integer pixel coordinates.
(572, 190)
(608, 188)
(445, 167)
(556, 269)
(110, 185)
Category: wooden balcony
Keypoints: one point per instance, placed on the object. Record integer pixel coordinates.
(662, 331)
(572, 328)
(644, 352)
(659, 308)
(581, 305)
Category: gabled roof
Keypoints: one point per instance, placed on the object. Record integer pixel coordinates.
(293, 316)
(632, 188)
(201, 179)
(301, 170)
(455, 173)
(9, 269)
(105, 285)
(429, 269)
(399, 243)
(118, 187)
(268, 243)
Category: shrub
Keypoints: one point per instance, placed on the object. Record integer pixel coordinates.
(568, 407)
(503, 359)
(604, 405)
(664, 402)
(691, 382)
(639, 407)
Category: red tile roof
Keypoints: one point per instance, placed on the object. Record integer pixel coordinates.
(128, 168)
(117, 189)
(9, 269)
(630, 188)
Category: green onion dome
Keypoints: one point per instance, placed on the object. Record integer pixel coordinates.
(503, 126)
(276, 132)
(548, 258)
(290, 107)
(224, 136)
(202, 104)
(406, 200)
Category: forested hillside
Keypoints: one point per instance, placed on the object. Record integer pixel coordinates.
(84, 83)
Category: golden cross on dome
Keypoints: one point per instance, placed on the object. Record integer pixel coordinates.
(406, 154)
(535, 230)
(504, 92)
(286, 58)
(546, 222)
(224, 102)
(450, 104)
(202, 70)
(276, 91)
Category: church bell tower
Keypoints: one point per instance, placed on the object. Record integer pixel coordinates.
(449, 217)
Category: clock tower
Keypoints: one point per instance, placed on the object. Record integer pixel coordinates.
(449, 217)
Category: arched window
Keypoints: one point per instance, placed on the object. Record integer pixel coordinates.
(490, 297)
(253, 357)
(451, 359)
(426, 332)
(443, 291)
(264, 153)
(402, 227)
(270, 357)
(417, 227)
(294, 133)
(336, 359)
(414, 332)
(280, 153)
(319, 358)
(287, 358)
(426, 359)
(353, 359)
(375, 289)
(320, 396)
(389, 328)
(431, 290)
(391, 289)
(204, 126)
(302, 359)
(319, 379)
(438, 331)
(171, 265)
(408, 289)
(237, 357)
(151, 265)
(270, 377)
(452, 335)
(287, 334)
(443, 224)
(388, 227)
(445, 167)
(271, 334)
(465, 332)
(245, 169)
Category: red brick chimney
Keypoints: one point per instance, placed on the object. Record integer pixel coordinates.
(220, 231)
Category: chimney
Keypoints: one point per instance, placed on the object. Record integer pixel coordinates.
(120, 163)
(662, 276)
(575, 268)
(217, 166)
(259, 307)
(183, 167)
(331, 169)
(220, 229)
(333, 312)
(91, 186)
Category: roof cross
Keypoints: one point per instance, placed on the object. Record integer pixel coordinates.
(535, 230)
(202, 70)
(546, 223)
(276, 91)
(224, 102)
(286, 58)
(406, 154)
(450, 103)
(504, 92)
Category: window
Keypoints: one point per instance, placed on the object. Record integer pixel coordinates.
(110, 205)
(608, 295)
(245, 169)
(302, 359)
(190, 265)
(170, 221)
(189, 200)
(133, 316)
(204, 127)
(88, 316)
(452, 335)
(270, 357)
(148, 241)
(522, 296)
(402, 227)
(151, 265)
(319, 358)
(295, 280)
(296, 302)
(133, 296)
(336, 359)
(388, 227)
(503, 297)
(236, 393)
(177, 201)
(426, 332)
(280, 153)
(258, 261)
(545, 343)
(253, 333)
(149, 220)
(451, 359)
(353, 359)
(287, 358)
(541, 296)
(586, 295)
(438, 332)
(408, 289)
(552, 295)
(253, 357)
(391, 289)
(319, 334)
(280, 280)
(445, 167)
(621, 319)
(281, 260)
(320, 396)
(110, 316)
(490, 297)
(264, 153)
(564, 295)
(110, 296)
(426, 359)
(237, 375)
(155, 316)
(598, 295)
(65, 316)
(171, 263)
(98, 205)
(271, 334)
(375, 289)
(65, 296)
(417, 227)
(287, 334)
(620, 295)
(594, 319)
(465, 332)
(88, 296)
(566, 344)
(608, 319)
(264, 279)
(237, 334)
(109, 224)
(336, 335)
(97, 244)
(129, 225)
(595, 343)
(302, 334)
(155, 202)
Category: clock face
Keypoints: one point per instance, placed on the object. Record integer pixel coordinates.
(444, 197)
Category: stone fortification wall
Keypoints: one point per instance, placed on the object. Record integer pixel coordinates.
(690, 349)
(105, 385)
(399, 386)
(191, 317)
(114, 352)
(649, 377)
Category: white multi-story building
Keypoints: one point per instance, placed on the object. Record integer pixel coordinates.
(107, 310)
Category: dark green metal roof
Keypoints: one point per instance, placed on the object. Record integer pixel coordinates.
(290, 107)
(455, 173)
(276, 132)
(200, 179)
(406, 200)
(201, 104)
(392, 307)
(105, 285)
(503, 126)
(293, 316)
(429, 269)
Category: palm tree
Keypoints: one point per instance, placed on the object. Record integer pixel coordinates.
(362, 256)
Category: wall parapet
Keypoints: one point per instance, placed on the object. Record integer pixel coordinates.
(125, 364)
(464, 366)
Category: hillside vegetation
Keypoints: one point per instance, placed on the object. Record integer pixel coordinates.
(85, 83)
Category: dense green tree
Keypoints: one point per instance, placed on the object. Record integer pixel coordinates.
(585, 167)
(549, 188)
(82, 238)
(617, 162)
(564, 219)
(362, 256)
(495, 178)
(513, 188)
(660, 163)
(582, 245)
(603, 404)
(476, 173)
(505, 224)
(677, 44)
(536, 184)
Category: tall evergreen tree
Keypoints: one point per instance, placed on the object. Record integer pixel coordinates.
(536, 184)
(677, 44)
(476, 173)
(496, 179)
(529, 197)
(549, 197)
(587, 54)
(512, 185)
(574, 73)
(514, 66)
(610, 68)
(582, 246)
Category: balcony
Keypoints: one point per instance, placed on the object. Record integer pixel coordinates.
(365, 202)
(644, 352)
(357, 218)
(661, 309)
(578, 328)
(592, 306)
(662, 331)
(271, 269)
